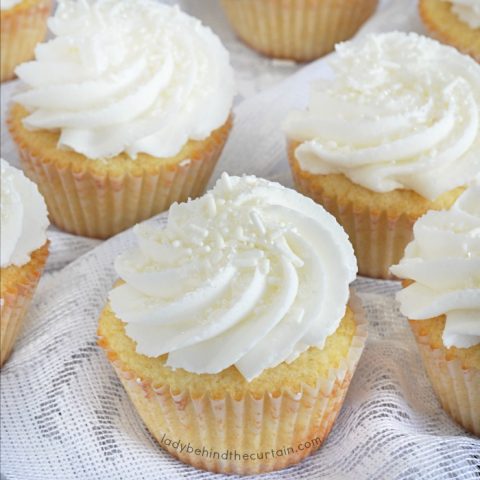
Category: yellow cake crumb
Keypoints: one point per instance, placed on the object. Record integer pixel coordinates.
(306, 369)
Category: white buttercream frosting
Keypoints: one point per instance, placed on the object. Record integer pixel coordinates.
(23, 217)
(468, 11)
(251, 274)
(132, 76)
(444, 262)
(6, 4)
(402, 112)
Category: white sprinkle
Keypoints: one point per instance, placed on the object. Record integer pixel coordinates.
(227, 181)
(257, 254)
(219, 241)
(248, 259)
(264, 266)
(239, 233)
(185, 162)
(245, 262)
(211, 205)
(257, 221)
(200, 230)
(277, 233)
(176, 244)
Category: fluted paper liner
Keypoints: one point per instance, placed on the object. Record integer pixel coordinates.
(16, 294)
(378, 237)
(222, 431)
(457, 388)
(300, 30)
(22, 27)
(100, 202)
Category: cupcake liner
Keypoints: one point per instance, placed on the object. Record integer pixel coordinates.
(300, 30)
(233, 434)
(22, 27)
(92, 199)
(442, 24)
(378, 237)
(457, 388)
(16, 294)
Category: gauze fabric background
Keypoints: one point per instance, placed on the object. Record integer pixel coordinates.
(64, 414)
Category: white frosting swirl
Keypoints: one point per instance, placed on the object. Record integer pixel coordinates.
(23, 217)
(468, 11)
(6, 4)
(444, 261)
(403, 111)
(251, 274)
(127, 76)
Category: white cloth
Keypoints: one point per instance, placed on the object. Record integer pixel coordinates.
(64, 414)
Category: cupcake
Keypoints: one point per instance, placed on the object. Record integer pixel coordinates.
(300, 30)
(393, 134)
(24, 251)
(23, 24)
(233, 329)
(441, 298)
(123, 113)
(456, 22)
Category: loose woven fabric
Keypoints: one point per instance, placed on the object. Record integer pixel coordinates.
(64, 414)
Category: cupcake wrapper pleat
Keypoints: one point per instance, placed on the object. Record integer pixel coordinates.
(378, 237)
(21, 30)
(15, 300)
(457, 388)
(301, 30)
(233, 435)
(99, 205)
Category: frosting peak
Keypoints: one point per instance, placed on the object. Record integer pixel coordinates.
(23, 217)
(251, 274)
(132, 76)
(403, 111)
(444, 261)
